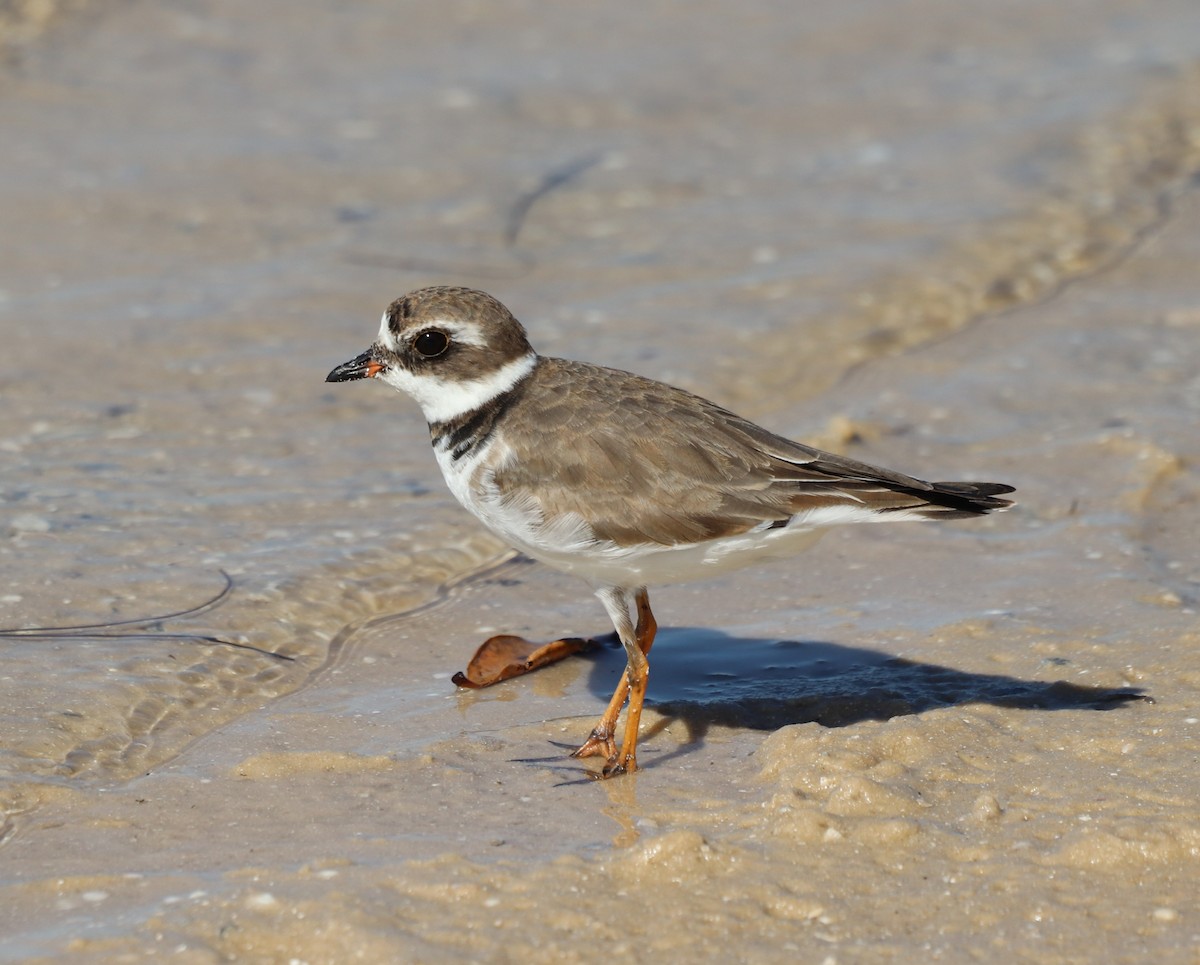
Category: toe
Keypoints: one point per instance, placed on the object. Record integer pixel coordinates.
(597, 745)
(617, 766)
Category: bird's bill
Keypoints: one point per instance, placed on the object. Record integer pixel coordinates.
(360, 367)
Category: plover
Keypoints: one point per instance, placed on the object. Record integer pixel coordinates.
(619, 479)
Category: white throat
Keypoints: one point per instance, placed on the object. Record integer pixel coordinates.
(443, 400)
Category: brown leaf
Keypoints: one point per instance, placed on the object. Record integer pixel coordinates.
(505, 656)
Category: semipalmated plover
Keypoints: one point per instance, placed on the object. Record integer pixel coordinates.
(619, 479)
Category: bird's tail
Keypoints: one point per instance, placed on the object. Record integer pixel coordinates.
(950, 500)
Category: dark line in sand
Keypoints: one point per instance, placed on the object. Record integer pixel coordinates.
(86, 629)
(551, 181)
(190, 611)
(518, 215)
(343, 643)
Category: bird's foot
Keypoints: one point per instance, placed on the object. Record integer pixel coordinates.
(599, 743)
(619, 764)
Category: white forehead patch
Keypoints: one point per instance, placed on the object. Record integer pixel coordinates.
(386, 338)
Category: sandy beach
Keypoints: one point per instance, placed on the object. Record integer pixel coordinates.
(949, 238)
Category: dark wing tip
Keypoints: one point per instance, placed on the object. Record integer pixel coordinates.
(974, 488)
(968, 498)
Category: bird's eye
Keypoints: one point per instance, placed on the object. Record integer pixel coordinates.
(431, 344)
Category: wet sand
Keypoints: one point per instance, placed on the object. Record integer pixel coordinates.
(970, 260)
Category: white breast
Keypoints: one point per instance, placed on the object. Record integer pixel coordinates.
(519, 522)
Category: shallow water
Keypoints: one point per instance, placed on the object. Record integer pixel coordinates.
(795, 216)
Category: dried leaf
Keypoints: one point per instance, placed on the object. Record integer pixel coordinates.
(505, 656)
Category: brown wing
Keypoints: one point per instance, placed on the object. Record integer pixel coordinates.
(643, 461)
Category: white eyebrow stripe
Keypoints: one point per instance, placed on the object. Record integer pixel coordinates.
(458, 332)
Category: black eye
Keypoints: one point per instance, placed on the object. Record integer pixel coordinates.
(431, 344)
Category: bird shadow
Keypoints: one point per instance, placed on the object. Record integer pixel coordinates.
(704, 678)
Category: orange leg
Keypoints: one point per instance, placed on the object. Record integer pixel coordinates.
(601, 741)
